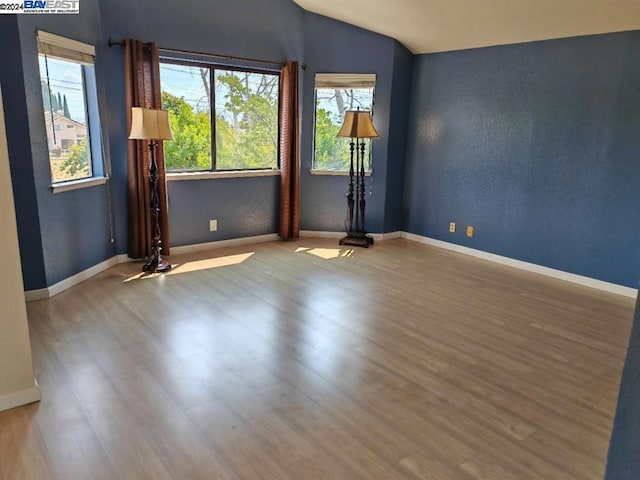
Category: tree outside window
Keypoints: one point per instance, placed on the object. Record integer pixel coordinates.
(331, 152)
(245, 118)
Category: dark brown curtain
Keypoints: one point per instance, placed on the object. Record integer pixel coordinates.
(289, 152)
(142, 89)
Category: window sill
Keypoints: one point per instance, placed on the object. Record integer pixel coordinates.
(172, 177)
(77, 184)
(342, 173)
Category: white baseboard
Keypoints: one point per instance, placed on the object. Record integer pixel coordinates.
(378, 237)
(529, 267)
(233, 242)
(320, 234)
(43, 293)
(62, 285)
(12, 400)
(35, 295)
(387, 236)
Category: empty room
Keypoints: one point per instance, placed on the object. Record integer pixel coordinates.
(319, 239)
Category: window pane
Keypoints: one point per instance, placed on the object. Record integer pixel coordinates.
(331, 152)
(185, 93)
(246, 120)
(65, 114)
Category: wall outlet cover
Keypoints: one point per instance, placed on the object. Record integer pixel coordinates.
(213, 225)
(452, 227)
(469, 231)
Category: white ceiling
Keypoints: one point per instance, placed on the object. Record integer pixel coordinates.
(426, 26)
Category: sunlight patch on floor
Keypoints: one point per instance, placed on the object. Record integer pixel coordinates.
(195, 266)
(327, 253)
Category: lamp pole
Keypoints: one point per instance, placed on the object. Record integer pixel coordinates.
(155, 263)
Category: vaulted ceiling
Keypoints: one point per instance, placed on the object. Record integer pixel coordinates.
(426, 26)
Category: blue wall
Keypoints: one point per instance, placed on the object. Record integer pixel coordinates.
(75, 233)
(244, 207)
(623, 462)
(398, 126)
(17, 123)
(537, 146)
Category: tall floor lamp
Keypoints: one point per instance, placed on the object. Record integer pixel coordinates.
(357, 126)
(151, 124)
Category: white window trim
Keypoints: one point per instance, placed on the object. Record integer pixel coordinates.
(177, 176)
(78, 184)
(342, 173)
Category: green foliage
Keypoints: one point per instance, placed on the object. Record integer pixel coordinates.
(247, 131)
(190, 148)
(331, 152)
(246, 125)
(77, 163)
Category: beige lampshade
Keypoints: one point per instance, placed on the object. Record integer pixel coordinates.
(358, 124)
(149, 124)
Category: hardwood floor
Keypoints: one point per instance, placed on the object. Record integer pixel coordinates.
(301, 361)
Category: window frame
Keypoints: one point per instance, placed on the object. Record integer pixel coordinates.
(182, 174)
(314, 170)
(97, 169)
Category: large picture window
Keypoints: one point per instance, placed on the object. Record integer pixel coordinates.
(336, 94)
(237, 108)
(67, 79)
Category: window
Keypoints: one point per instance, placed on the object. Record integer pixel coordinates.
(239, 108)
(69, 97)
(335, 94)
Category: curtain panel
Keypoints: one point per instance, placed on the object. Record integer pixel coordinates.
(289, 152)
(142, 89)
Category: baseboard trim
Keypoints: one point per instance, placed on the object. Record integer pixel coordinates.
(44, 293)
(35, 295)
(378, 237)
(23, 397)
(320, 234)
(67, 283)
(233, 242)
(529, 267)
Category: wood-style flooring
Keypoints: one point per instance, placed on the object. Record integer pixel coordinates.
(297, 360)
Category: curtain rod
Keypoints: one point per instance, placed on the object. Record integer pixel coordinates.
(113, 42)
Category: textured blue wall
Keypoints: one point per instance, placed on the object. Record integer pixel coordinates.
(323, 202)
(623, 462)
(537, 146)
(17, 123)
(271, 31)
(74, 225)
(244, 207)
(398, 126)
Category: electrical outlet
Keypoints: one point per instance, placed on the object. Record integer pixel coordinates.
(213, 225)
(470, 231)
(452, 227)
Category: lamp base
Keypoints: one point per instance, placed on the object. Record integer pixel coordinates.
(156, 265)
(356, 239)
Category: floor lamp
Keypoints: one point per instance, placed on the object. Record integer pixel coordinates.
(357, 126)
(152, 125)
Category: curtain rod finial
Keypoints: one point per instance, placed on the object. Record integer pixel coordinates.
(113, 42)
